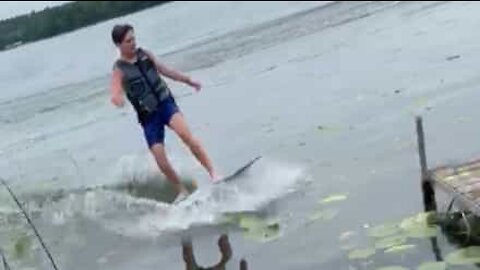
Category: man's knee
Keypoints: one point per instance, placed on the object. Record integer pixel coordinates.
(157, 148)
(159, 154)
(189, 140)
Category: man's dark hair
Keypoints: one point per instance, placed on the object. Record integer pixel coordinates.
(119, 32)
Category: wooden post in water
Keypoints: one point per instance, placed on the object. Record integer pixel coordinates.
(429, 202)
(421, 149)
(427, 185)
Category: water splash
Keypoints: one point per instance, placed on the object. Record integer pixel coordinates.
(207, 205)
(134, 208)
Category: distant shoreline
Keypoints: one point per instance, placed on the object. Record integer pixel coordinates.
(65, 18)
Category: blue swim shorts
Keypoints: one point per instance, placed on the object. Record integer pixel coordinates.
(154, 124)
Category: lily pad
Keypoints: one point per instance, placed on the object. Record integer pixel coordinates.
(465, 256)
(399, 249)
(420, 219)
(334, 198)
(264, 234)
(419, 226)
(248, 222)
(391, 241)
(392, 268)
(383, 230)
(433, 266)
(253, 222)
(426, 232)
(259, 229)
(361, 253)
(324, 214)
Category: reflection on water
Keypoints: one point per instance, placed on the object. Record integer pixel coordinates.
(225, 251)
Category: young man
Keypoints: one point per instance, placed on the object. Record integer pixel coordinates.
(137, 73)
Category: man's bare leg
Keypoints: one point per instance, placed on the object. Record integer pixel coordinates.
(179, 125)
(158, 151)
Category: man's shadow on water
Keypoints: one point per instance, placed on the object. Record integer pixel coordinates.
(225, 251)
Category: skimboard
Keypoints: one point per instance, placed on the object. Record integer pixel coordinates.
(233, 176)
(239, 172)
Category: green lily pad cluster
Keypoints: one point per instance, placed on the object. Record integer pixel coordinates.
(258, 229)
(393, 239)
(254, 227)
(419, 226)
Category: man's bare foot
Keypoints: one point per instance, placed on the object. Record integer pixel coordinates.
(180, 188)
(215, 177)
(182, 195)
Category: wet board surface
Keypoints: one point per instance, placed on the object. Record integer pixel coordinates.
(239, 172)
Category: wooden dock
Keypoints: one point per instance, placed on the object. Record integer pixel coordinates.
(462, 181)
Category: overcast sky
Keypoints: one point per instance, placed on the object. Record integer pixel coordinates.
(10, 9)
